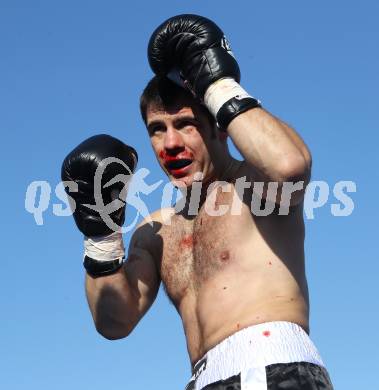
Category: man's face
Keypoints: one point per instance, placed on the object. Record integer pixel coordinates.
(182, 139)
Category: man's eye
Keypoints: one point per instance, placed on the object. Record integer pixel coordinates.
(155, 129)
(185, 124)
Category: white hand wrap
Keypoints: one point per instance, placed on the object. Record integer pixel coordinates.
(105, 248)
(220, 92)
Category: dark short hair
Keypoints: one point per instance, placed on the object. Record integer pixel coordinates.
(161, 92)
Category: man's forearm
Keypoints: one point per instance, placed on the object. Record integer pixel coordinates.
(270, 146)
(112, 304)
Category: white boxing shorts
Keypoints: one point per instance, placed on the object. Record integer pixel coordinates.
(269, 356)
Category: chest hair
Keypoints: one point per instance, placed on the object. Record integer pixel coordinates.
(195, 250)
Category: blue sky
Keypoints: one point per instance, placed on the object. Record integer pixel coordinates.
(70, 70)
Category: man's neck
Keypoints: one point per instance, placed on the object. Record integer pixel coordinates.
(195, 195)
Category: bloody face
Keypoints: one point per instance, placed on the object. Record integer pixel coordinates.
(182, 140)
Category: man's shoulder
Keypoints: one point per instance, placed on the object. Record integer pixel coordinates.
(160, 217)
(150, 230)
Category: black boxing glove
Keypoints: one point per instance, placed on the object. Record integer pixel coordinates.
(194, 50)
(101, 167)
(196, 47)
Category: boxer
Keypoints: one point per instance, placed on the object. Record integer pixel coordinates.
(237, 279)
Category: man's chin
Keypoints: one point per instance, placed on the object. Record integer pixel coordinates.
(185, 181)
(181, 182)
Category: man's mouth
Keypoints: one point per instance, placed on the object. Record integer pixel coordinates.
(178, 166)
(179, 163)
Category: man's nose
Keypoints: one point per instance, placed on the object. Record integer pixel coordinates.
(173, 140)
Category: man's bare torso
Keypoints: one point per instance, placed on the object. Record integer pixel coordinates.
(224, 273)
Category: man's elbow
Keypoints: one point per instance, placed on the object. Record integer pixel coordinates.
(110, 335)
(295, 169)
(293, 178)
(114, 331)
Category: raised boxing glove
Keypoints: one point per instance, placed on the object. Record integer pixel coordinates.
(196, 47)
(101, 167)
(193, 49)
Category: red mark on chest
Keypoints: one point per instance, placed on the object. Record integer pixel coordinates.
(187, 242)
(266, 333)
(225, 255)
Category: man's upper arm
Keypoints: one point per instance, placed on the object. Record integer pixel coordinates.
(141, 268)
(291, 193)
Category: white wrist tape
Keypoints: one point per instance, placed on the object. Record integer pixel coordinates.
(105, 248)
(220, 92)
